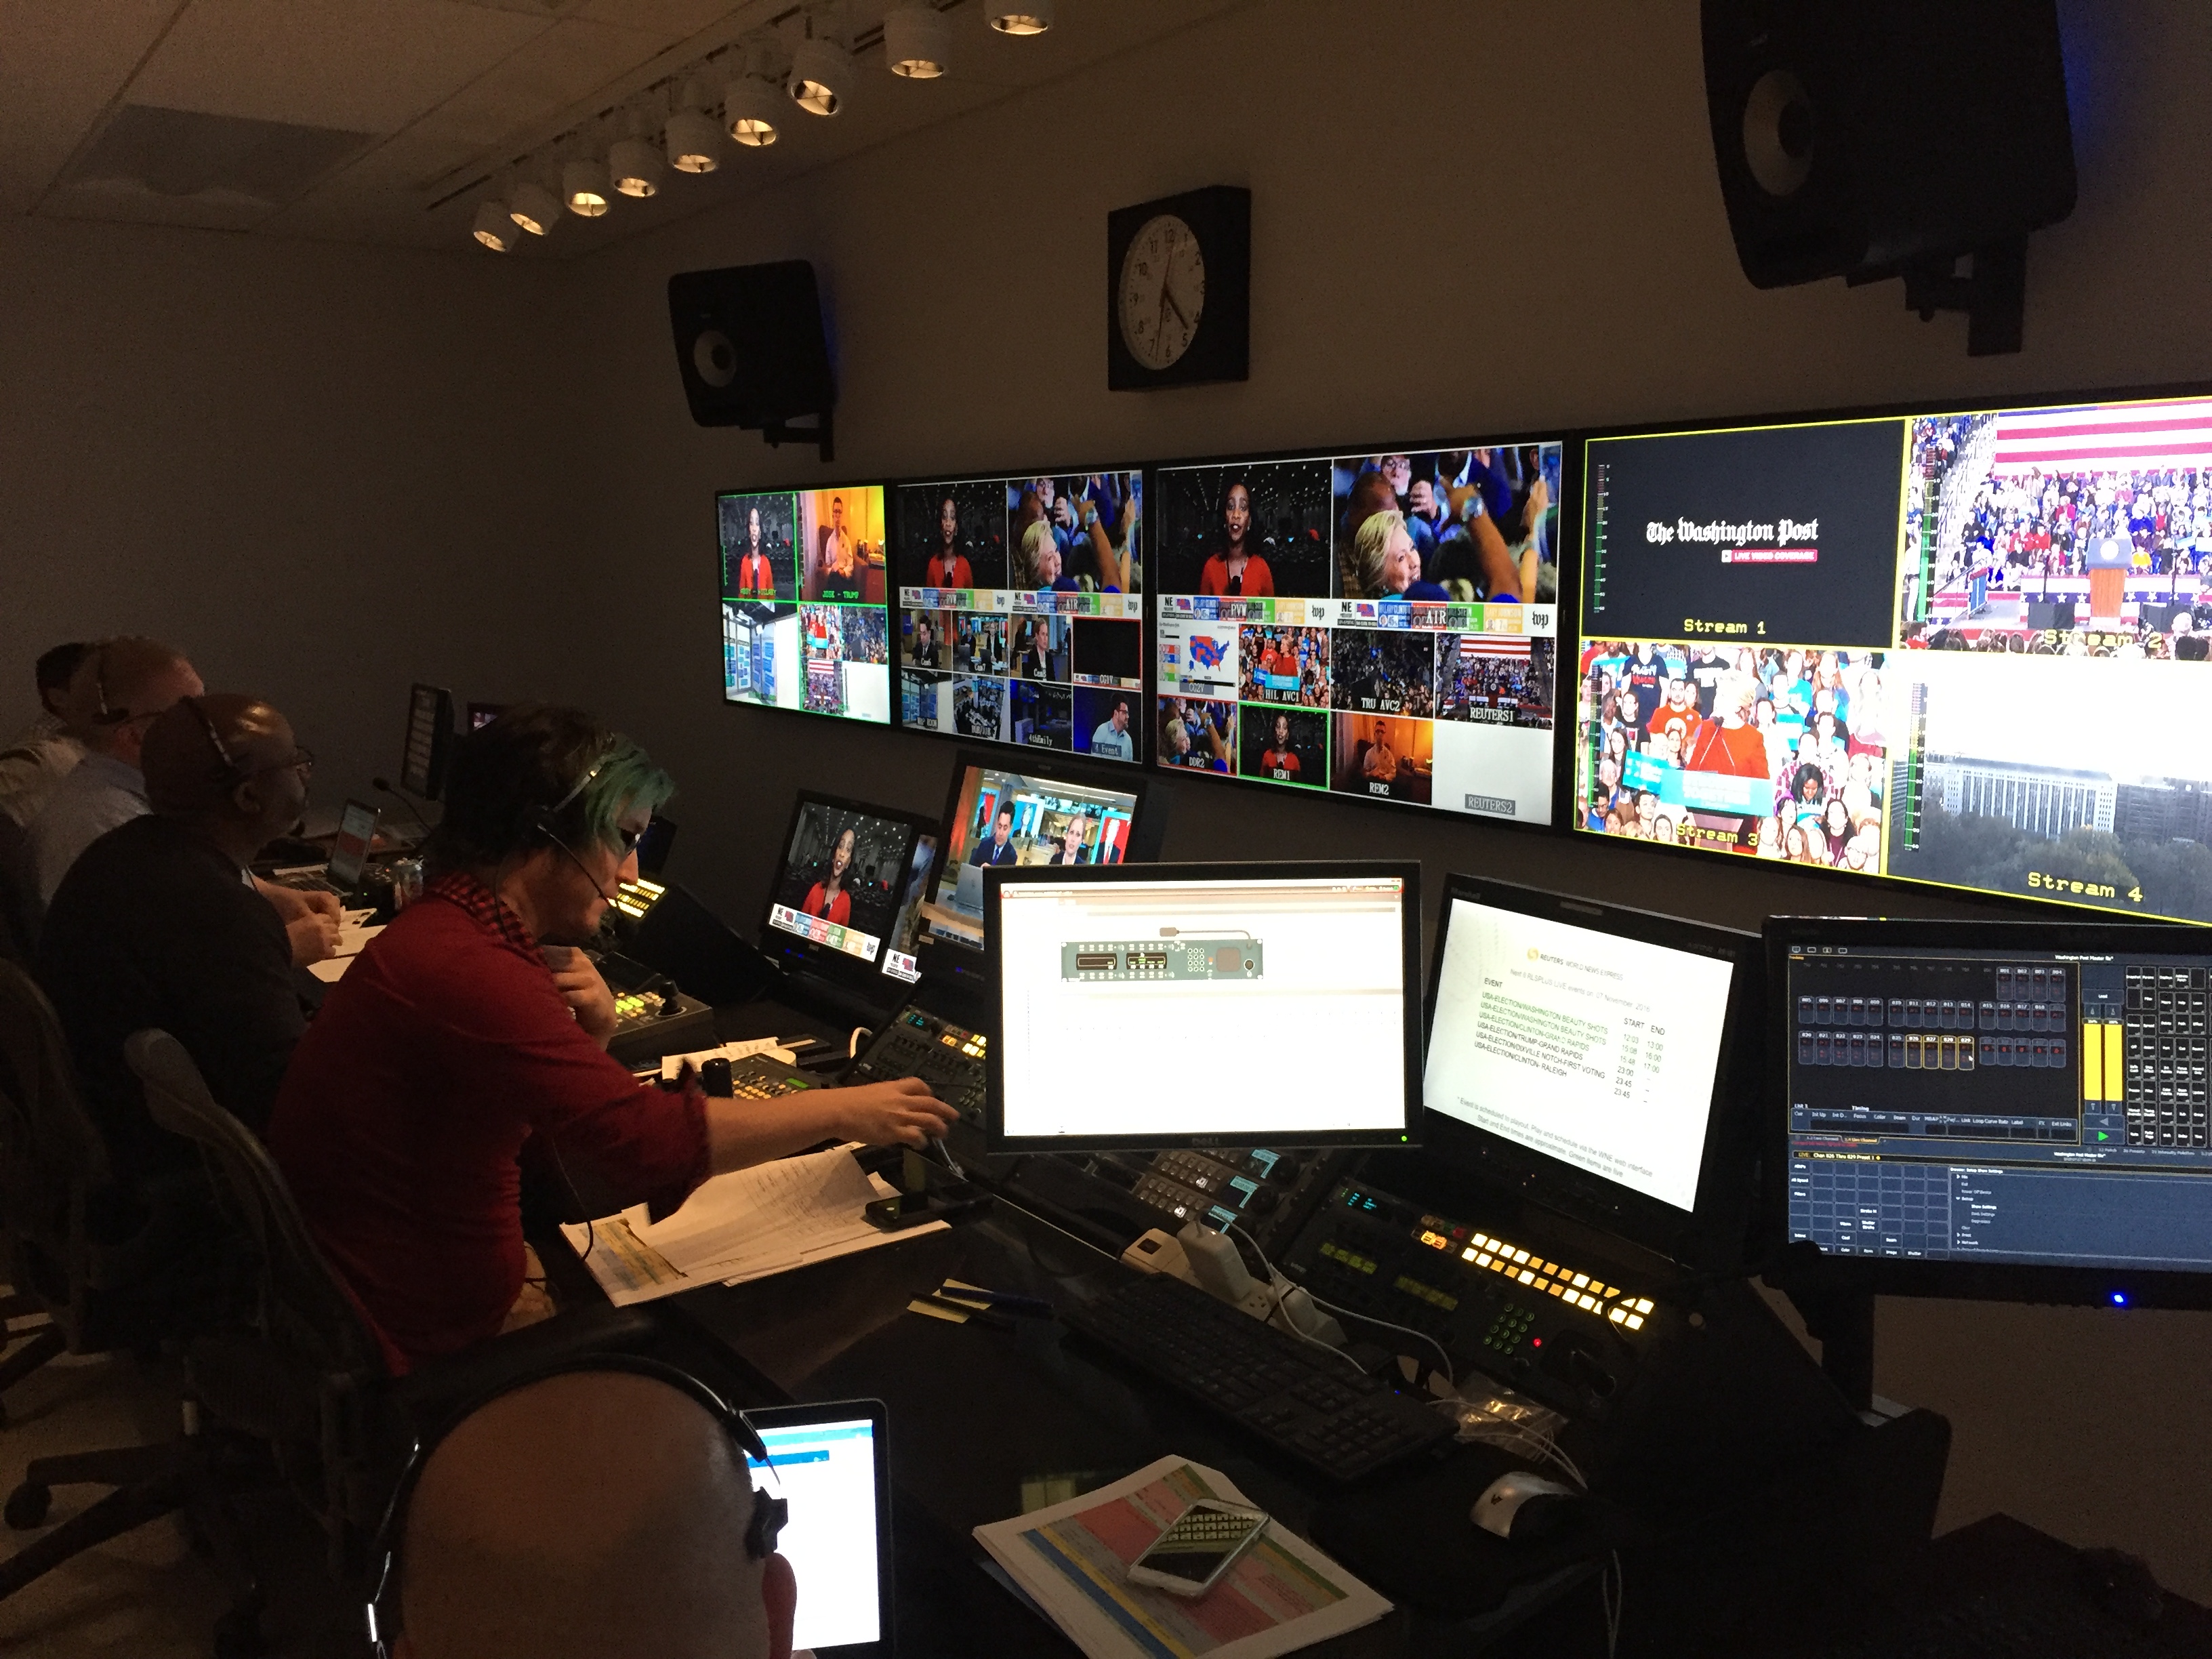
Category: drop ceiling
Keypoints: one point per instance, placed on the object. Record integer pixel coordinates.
(387, 121)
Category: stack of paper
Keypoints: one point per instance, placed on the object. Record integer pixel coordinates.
(747, 1224)
(352, 937)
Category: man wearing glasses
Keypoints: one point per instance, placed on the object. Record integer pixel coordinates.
(158, 924)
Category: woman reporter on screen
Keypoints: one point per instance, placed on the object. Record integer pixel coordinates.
(948, 567)
(829, 898)
(1237, 570)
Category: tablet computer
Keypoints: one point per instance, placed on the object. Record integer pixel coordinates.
(831, 1463)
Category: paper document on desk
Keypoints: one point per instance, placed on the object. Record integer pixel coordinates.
(672, 1066)
(352, 938)
(1073, 1560)
(747, 1224)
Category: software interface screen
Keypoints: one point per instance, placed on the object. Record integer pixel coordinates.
(827, 1473)
(1235, 1008)
(1356, 624)
(1009, 818)
(806, 616)
(1594, 1049)
(2000, 1106)
(1936, 647)
(1021, 611)
(843, 881)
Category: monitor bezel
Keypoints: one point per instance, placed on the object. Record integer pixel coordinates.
(1809, 1268)
(1713, 1234)
(794, 955)
(1403, 1134)
(890, 721)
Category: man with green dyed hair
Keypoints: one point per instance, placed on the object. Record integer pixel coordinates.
(473, 1024)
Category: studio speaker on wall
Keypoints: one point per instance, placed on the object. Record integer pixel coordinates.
(751, 349)
(1867, 139)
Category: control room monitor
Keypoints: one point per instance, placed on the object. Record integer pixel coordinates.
(429, 741)
(805, 601)
(2008, 1109)
(839, 898)
(1581, 1053)
(1160, 1005)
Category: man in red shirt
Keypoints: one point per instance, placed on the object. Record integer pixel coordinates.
(1678, 714)
(458, 1036)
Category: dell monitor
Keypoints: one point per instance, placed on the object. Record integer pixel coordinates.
(805, 613)
(841, 896)
(1169, 1005)
(429, 741)
(1379, 627)
(1021, 611)
(1944, 647)
(2012, 1110)
(1598, 1061)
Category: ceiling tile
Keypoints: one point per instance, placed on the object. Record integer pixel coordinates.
(562, 66)
(674, 20)
(62, 61)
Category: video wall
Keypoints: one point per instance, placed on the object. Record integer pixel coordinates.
(1021, 611)
(805, 615)
(1383, 626)
(1962, 649)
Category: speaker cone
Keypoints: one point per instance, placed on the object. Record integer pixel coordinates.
(1777, 133)
(715, 358)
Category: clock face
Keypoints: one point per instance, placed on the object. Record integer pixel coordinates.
(1163, 291)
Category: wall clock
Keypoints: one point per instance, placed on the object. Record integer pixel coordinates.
(1178, 282)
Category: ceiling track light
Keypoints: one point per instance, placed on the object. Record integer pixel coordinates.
(534, 207)
(637, 167)
(584, 187)
(821, 67)
(917, 41)
(495, 227)
(752, 104)
(1019, 16)
(694, 138)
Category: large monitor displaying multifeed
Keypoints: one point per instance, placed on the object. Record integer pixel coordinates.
(1381, 626)
(1597, 1059)
(1203, 1005)
(1021, 615)
(805, 605)
(2007, 1109)
(844, 892)
(1957, 648)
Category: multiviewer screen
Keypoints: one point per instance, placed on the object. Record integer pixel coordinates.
(1595, 1050)
(827, 1473)
(1021, 616)
(1009, 818)
(806, 618)
(1942, 648)
(1382, 626)
(2000, 1106)
(1242, 1009)
(842, 879)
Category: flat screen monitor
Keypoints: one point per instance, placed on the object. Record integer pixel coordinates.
(1384, 627)
(1599, 1061)
(805, 605)
(2015, 1110)
(1954, 649)
(1021, 614)
(429, 741)
(841, 890)
(1144, 1006)
(831, 1463)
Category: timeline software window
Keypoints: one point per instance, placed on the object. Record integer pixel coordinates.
(1222, 1007)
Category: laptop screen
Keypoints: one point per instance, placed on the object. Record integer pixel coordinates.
(829, 1473)
(349, 853)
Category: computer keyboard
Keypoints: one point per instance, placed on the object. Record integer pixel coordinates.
(2028, 1620)
(949, 1058)
(1311, 1404)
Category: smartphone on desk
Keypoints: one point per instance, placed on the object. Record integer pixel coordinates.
(1204, 1542)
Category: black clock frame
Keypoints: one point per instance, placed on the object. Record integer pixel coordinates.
(1220, 216)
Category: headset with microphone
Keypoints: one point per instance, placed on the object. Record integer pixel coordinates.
(546, 821)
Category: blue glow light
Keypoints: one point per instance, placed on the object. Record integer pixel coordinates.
(2119, 1298)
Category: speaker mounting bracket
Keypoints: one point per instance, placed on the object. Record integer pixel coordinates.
(1993, 295)
(822, 434)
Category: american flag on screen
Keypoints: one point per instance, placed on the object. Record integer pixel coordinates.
(1471, 646)
(2113, 438)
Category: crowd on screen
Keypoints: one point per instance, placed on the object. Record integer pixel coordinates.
(1285, 665)
(1378, 673)
(1806, 722)
(1495, 683)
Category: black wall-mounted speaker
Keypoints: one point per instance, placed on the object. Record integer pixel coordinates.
(1875, 139)
(750, 346)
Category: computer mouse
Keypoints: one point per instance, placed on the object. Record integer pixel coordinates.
(1523, 1507)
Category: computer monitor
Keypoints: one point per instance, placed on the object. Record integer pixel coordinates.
(2014, 1110)
(805, 610)
(1306, 638)
(1163, 1006)
(1958, 648)
(349, 851)
(482, 714)
(429, 741)
(1110, 813)
(1597, 1060)
(1021, 611)
(835, 903)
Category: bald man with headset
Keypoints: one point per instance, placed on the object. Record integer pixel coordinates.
(473, 1024)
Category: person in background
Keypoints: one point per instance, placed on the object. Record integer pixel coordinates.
(46, 752)
(472, 1025)
(835, 554)
(1041, 561)
(1380, 763)
(156, 925)
(1071, 849)
(1390, 565)
(1000, 848)
(1112, 736)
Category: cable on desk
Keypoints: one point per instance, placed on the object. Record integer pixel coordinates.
(853, 1042)
(1275, 1284)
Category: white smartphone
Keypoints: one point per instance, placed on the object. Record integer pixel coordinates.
(1204, 1542)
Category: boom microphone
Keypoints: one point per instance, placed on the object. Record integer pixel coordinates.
(385, 784)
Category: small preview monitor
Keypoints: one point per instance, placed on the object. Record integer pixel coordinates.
(1144, 1006)
(2012, 1110)
(830, 1462)
(1597, 1059)
(482, 714)
(1021, 611)
(350, 852)
(1384, 627)
(1932, 646)
(805, 601)
(429, 741)
(835, 904)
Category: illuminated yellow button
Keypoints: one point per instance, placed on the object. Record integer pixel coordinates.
(1618, 1315)
(1581, 1279)
(1635, 1321)
(1527, 1277)
(1553, 1289)
(1642, 1304)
